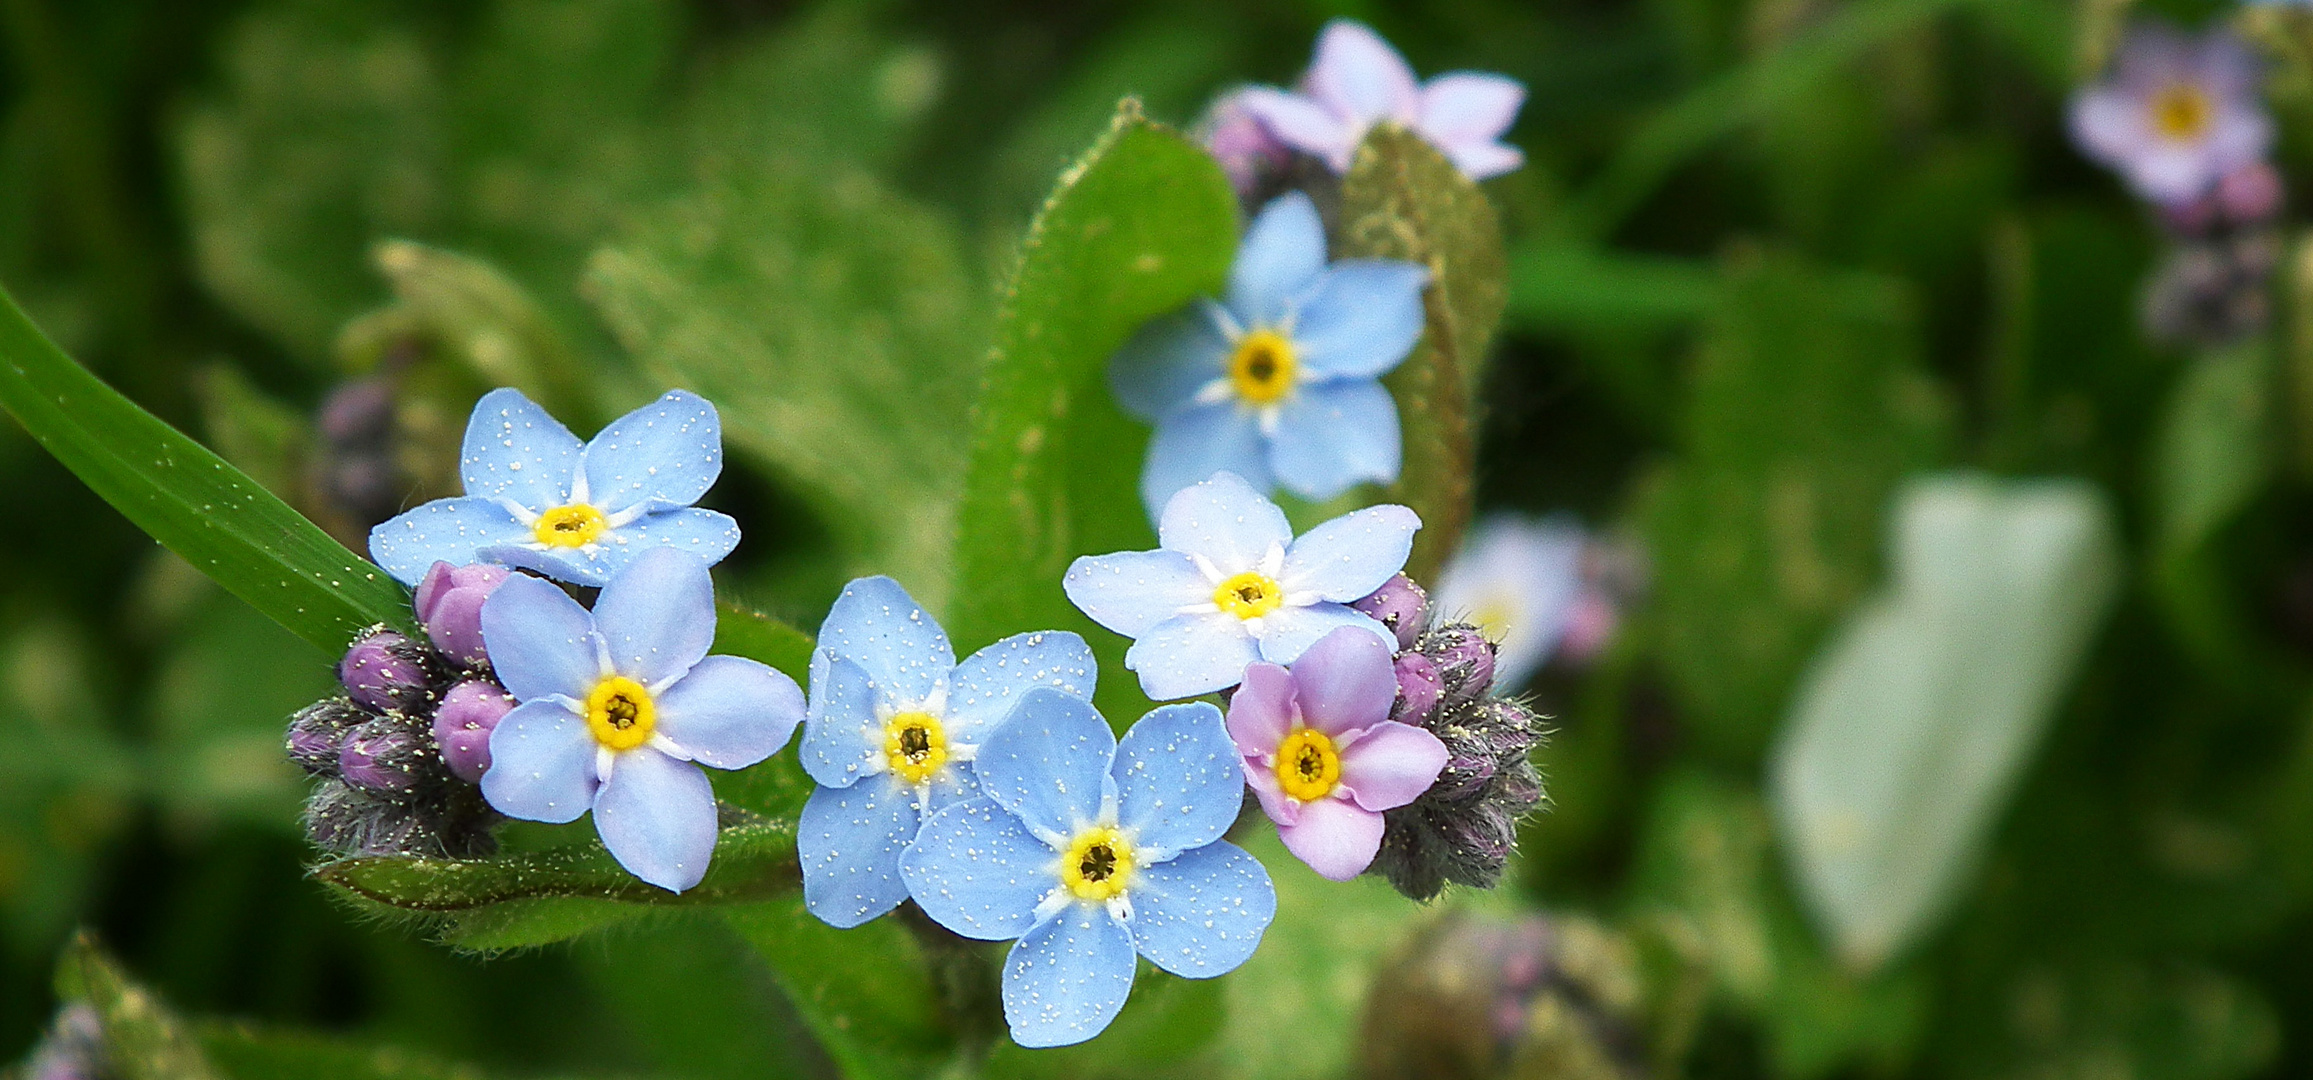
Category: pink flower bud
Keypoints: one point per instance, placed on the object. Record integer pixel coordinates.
(2250, 194)
(380, 671)
(449, 603)
(1401, 606)
(469, 713)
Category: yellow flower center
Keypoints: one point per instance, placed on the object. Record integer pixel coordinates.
(1493, 617)
(1098, 864)
(914, 745)
(1262, 367)
(620, 713)
(1308, 768)
(1249, 595)
(575, 525)
(2182, 112)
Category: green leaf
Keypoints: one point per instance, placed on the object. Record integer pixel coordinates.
(1142, 224)
(1559, 285)
(189, 499)
(1921, 713)
(743, 631)
(143, 1039)
(867, 993)
(1403, 200)
(2214, 452)
(249, 1052)
(835, 325)
(470, 314)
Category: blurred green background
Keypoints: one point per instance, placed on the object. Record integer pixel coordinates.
(1770, 258)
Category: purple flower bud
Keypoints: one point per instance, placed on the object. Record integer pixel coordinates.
(1242, 143)
(449, 603)
(2251, 194)
(1465, 660)
(361, 411)
(317, 731)
(382, 671)
(469, 712)
(1400, 605)
(377, 757)
(1418, 688)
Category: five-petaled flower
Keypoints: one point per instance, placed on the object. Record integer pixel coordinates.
(2177, 115)
(1229, 585)
(1522, 583)
(1322, 754)
(893, 727)
(1357, 80)
(1281, 382)
(538, 499)
(1088, 851)
(621, 705)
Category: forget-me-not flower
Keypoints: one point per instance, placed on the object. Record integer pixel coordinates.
(1281, 382)
(1229, 585)
(1357, 80)
(2177, 114)
(894, 725)
(538, 499)
(1089, 851)
(621, 705)
(1522, 583)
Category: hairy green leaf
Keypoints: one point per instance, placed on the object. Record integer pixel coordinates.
(189, 499)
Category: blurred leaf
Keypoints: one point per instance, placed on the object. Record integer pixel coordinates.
(261, 436)
(1165, 1022)
(2150, 1020)
(1803, 411)
(143, 1039)
(1554, 286)
(1919, 716)
(472, 316)
(248, 1052)
(867, 993)
(222, 696)
(828, 85)
(702, 1003)
(836, 327)
(67, 785)
(191, 501)
(1139, 226)
(1403, 200)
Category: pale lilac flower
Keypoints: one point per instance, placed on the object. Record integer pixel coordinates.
(1322, 754)
(2176, 115)
(1357, 80)
(1244, 146)
(1522, 583)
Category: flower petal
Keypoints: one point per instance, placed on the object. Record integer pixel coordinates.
(841, 734)
(704, 533)
(455, 531)
(878, 626)
(1179, 780)
(1278, 806)
(1305, 125)
(541, 764)
(1391, 765)
(1528, 575)
(1262, 710)
(978, 871)
(1288, 632)
(1335, 837)
(1345, 682)
(657, 615)
(1332, 435)
(1188, 655)
(1196, 441)
(541, 642)
(515, 451)
(1468, 108)
(1067, 978)
(1349, 557)
(1361, 319)
(1356, 73)
(1481, 160)
(1048, 763)
(849, 841)
(1226, 520)
(1202, 914)
(665, 454)
(989, 682)
(657, 817)
(1131, 591)
(1280, 257)
(730, 712)
(1168, 361)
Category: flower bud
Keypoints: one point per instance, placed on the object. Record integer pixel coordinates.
(1401, 606)
(2251, 194)
(384, 671)
(1465, 661)
(449, 604)
(469, 712)
(1463, 828)
(379, 757)
(1242, 144)
(1418, 688)
(317, 732)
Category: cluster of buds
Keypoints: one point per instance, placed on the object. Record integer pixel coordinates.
(1464, 827)
(1475, 997)
(400, 753)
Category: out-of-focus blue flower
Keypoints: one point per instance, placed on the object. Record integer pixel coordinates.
(893, 727)
(1088, 851)
(621, 705)
(1357, 80)
(1522, 583)
(1230, 584)
(538, 499)
(1281, 382)
(2176, 115)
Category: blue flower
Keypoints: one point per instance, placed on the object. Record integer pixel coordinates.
(621, 705)
(1088, 852)
(1281, 382)
(893, 727)
(1229, 585)
(537, 499)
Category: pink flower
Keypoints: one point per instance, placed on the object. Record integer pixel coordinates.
(1322, 754)
(2177, 113)
(1357, 80)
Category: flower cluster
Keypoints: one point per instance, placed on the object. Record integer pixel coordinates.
(2181, 120)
